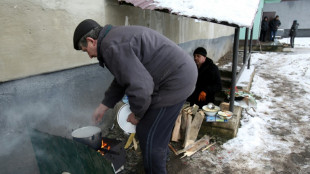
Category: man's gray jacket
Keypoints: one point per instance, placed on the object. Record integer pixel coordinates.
(149, 68)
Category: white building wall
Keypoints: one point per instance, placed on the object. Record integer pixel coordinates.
(36, 35)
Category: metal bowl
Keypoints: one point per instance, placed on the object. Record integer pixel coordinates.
(210, 112)
(89, 135)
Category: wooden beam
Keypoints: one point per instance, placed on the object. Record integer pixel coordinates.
(196, 146)
(184, 122)
(195, 127)
(188, 129)
(176, 134)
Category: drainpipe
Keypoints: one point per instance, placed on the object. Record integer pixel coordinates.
(250, 49)
(245, 45)
(234, 69)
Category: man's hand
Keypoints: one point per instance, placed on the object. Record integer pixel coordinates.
(98, 114)
(132, 119)
(202, 96)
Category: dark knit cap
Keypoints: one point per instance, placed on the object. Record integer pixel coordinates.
(83, 28)
(201, 51)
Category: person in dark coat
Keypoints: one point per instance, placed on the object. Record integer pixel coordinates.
(208, 81)
(264, 29)
(293, 32)
(155, 74)
(274, 25)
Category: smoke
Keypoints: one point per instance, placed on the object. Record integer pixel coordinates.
(55, 103)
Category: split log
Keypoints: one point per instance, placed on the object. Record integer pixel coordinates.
(129, 141)
(196, 146)
(188, 129)
(195, 127)
(176, 134)
(135, 144)
(183, 122)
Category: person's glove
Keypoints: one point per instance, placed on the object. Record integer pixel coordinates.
(202, 96)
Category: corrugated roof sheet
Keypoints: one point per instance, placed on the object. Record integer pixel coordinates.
(228, 12)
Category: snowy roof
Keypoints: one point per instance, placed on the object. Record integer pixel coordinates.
(229, 12)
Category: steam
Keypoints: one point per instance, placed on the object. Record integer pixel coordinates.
(55, 103)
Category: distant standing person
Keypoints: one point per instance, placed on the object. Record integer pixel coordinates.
(208, 81)
(264, 29)
(293, 32)
(274, 25)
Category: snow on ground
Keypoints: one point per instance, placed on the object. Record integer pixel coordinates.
(303, 42)
(241, 12)
(276, 137)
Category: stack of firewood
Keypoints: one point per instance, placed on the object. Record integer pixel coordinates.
(187, 127)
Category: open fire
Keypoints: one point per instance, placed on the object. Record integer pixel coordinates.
(113, 150)
(104, 148)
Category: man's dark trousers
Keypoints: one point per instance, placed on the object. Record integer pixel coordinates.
(154, 133)
(292, 41)
(273, 34)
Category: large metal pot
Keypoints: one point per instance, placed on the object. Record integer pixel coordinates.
(89, 135)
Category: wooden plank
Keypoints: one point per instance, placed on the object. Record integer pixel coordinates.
(183, 123)
(208, 146)
(176, 130)
(197, 146)
(188, 129)
(195, 127)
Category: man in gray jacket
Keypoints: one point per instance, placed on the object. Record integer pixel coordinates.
(155, 74)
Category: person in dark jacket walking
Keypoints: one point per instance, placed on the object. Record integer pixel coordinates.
(274, 25)
(208, 81)
(293, 32)
(264, 29)
(155, 74)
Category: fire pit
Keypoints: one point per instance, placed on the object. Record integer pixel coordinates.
(113, 150)
(56, 154)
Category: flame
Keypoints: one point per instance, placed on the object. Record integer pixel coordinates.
(104, 146)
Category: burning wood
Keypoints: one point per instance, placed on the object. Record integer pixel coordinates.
(104, 148)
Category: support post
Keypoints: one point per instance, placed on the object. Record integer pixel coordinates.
(250, 49)
(234, 69)
(245, 45)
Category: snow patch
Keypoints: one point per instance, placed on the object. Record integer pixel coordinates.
(240, 12)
